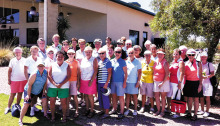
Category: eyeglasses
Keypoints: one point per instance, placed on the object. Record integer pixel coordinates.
(191, 54)
(70, 54)
(101, 53)
(118, 52)
(40, 66)
(131, 53)
(147, 55)
(50, 53)
(119, 43)
(128, 44)
(65, 44)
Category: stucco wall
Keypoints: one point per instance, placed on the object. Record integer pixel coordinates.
(22, 25)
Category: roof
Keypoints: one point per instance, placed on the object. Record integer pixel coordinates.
(133, 7)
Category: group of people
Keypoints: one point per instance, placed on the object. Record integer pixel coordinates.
(66, 70)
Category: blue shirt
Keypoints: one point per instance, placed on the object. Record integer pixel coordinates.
(132, 69)
(117, 70)
(39, 83)
(103, 67)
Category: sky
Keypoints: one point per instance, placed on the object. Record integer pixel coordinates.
(145, 4)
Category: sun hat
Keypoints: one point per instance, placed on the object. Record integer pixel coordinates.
(40, 63)
(71, 51)
(161, 52)
(147, 52)
(191, 51)
(108, 92)
(97, 40)
(204, 53)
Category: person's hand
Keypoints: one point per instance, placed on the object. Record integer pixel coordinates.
(160, 84)
(137, 84)
(124, 85)
(105, 86)
(90, 83)
(199, 88)
(44, 95)
(9, 82)
(27, 98)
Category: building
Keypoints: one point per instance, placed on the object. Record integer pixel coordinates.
(89, 19)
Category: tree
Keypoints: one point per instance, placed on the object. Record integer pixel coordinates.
(177, 20)
(62, 26)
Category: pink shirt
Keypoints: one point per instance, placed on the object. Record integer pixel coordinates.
(205, 72)
(159, 71)
(191, 72)
(174, 72)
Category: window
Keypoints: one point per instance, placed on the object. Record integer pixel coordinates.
(32, 35)
(144, 38)
(134, 37)
(32, 18)
(8, 12)
(10, 35)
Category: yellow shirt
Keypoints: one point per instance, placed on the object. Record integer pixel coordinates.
(147, 72)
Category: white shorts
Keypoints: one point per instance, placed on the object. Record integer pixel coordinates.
(207, 89)
(174, 89)
(147, 89)
(165, 87)
(73, 88)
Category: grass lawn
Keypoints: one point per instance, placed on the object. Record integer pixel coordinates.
(37, 120)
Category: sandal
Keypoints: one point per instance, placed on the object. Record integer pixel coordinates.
(63, 121)
(47, 117)
(86, 112)
(193, 118)
(91, 114)
(188, 115)
(162, 114)
(76, 115)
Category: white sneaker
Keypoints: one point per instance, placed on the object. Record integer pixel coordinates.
(151, 110)
(206, 114)
(7, 110)
(95, 99)
(142, 110)
(36, 109)
(135, 113)
(32, 111)
(126, 112)
(200, 112)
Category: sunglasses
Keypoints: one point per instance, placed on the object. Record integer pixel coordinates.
(128, 44)
(118, 52)
(119, 43)
(50, 53)
(101, 53)
(131, 53)
(70, 54)
(191, 54)
(65, 44)
(40, 66)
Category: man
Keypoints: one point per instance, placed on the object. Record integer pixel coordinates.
(183, 50)
(42, 51)
(120, 44)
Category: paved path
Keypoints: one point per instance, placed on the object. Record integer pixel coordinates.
(141, 119)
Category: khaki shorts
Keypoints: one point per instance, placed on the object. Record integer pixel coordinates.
(165, 87)
(147, 89)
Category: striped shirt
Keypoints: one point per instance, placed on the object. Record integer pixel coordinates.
(103, 70)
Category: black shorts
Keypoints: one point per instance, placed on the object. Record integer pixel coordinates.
(33, 95)
(191, 89)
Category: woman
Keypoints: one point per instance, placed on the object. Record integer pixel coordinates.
(98, 44)
(104, 76)
(177, 69)
(88, 70)
(80, 54)
(30, 66)
(118, 82)
(207, 72)
(153, 48)
(65, 48)
(161, 81)
(59, 74)
(147, 83)
(137, 51)
(49, 60)
(193, 86)
(56, 46)
(74, 80)
(42, 51)
(16, 78)
(111, 52)
(36, 87)
(74, 44)
(133, 81)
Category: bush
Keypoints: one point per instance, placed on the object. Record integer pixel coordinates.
(6, 52)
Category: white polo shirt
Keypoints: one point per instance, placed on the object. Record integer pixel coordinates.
(31, 64)
(17, 66)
